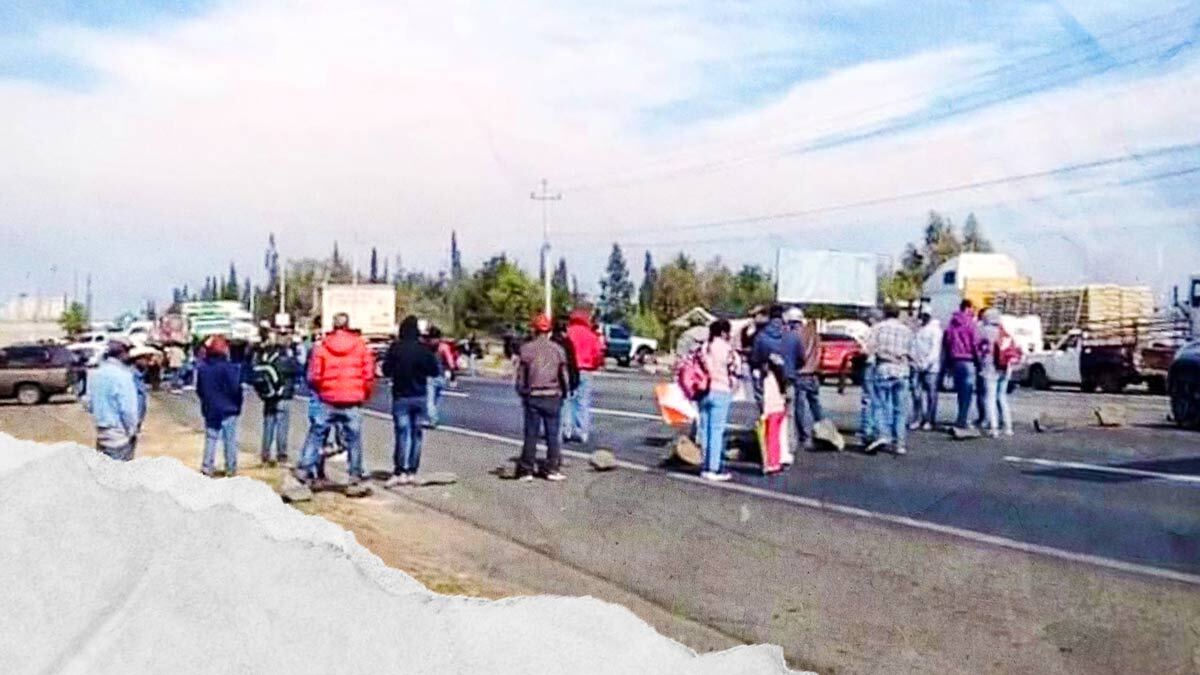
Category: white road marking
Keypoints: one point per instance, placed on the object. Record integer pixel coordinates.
(1100, 468)
(808, 502)
(625, 413)
(456, 394)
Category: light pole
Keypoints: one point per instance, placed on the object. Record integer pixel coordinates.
(545, 197)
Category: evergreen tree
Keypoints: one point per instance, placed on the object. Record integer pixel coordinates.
(616, 289)
(231, 285)
(374, 266)
(246, 290)
(386, 278)
(649, 278)
(271, 263)
(973, 239)
(560, 289)
(456, 265)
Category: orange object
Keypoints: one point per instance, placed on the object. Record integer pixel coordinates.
(675, 408)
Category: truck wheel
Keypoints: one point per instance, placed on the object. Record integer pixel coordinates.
(1038, 379)
(644, 356)
(623, 362)
(1185, 408)
(1110, 383)
(1087, 386)
(29, 394)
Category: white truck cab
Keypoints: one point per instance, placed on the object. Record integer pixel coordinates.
(1059, 365)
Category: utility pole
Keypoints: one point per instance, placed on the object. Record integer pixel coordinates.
(545, 197)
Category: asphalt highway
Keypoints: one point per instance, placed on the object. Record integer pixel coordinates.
(1129, 494)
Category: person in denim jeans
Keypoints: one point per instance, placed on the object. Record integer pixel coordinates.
(868, 408)
(724, 367)
(342, 374)
(889, 343)
(926, 372)
(409, 365)
(961, 348)
(998, 416)
(219, 387)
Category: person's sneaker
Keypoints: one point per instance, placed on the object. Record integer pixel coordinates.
(396, 481)
(993, 433)
(716, 477)
(582, 438)
(914, 426)
(876, 444)
(901, 450)
(354, 480)
(207, 472)
(556, 477)
(1008, 432)
(525, 477)
(927, 427)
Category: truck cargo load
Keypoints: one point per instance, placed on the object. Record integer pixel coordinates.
(1100, 309)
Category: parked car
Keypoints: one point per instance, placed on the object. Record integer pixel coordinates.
(1183, 386)
(623, 346)
(33, 373)
(841, 355)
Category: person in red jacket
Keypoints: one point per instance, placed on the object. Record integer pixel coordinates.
(341, 372)
(588, 351)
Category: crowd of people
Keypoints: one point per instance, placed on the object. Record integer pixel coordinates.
(905, 366)
(776, 358)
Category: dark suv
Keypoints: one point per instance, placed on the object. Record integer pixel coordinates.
(33, 373)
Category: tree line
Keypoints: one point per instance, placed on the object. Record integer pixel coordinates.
(499, 294)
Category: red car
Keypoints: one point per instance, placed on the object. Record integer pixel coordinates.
(841, 355)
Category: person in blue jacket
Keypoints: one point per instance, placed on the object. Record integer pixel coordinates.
(112, 399)
(219, 386)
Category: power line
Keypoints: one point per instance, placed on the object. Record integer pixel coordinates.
(974, 185)
(952, 109)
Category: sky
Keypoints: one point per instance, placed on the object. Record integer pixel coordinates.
(151, 147)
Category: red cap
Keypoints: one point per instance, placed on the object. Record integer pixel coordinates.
(541, 323)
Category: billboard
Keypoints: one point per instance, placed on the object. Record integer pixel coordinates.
(825, 277)
(371, 307)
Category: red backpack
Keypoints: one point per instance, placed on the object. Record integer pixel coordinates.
(692, 374)
(1008, 352)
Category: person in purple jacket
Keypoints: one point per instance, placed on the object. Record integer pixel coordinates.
(961, 348)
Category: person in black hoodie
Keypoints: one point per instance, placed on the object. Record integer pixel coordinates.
(410, 365)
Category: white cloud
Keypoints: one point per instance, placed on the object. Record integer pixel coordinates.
(383, 124)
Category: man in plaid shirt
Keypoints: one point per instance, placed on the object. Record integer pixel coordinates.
(889, 344)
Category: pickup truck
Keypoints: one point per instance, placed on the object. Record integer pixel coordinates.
(623, 346)
(33, 373)
(1091, 363)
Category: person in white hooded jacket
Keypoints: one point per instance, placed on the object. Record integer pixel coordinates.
(926, 372)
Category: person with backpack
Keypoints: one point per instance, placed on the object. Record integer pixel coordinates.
(1001, 354)
(713, 378)
(274, 380)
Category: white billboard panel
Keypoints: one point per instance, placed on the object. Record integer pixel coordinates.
(371, 307)
(826, 277)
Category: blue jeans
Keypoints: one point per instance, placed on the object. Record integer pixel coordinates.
(347, 424)
(578, 420)
(714, 416)
(999, 416)
(964, 386)
(276, 418)
(892, 408)
(227, 433)
(807, 407)
(925, 395)
(869, 405)
(407, 414)
(433, 394)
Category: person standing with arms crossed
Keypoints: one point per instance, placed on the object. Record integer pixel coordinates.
(542, 384)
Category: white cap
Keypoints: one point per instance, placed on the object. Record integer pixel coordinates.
(793, 315)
